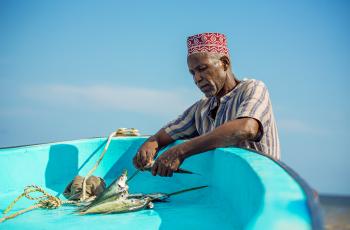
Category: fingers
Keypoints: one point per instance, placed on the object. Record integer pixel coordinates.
(155, 168)
(134, 161)
(140, 155)
(169, 173)
(137, 159)
(161, 169)
(142, 159)
(149, 164)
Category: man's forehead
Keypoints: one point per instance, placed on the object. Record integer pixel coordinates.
(197, 59)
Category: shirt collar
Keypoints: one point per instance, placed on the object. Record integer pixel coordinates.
(213, 102)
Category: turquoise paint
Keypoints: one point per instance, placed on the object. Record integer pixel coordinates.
(247, 190)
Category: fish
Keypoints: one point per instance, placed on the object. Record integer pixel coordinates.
(117, 189)
(133, 202)
(120, 206)
(163, 197)
(155, 197)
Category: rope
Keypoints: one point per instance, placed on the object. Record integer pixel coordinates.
(119, 132)
(20, 212)
(44, 201)
(51, 202)
(96, 165)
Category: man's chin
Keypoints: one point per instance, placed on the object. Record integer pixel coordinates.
(209, 94)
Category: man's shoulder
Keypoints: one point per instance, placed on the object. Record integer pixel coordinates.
(249, 84)
(203, 101)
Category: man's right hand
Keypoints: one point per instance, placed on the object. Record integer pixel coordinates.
(146, 154)
(149, 150)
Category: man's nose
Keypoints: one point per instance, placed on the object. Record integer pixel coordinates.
(197, 77)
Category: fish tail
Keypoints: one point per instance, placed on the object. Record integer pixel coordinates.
(187, 190)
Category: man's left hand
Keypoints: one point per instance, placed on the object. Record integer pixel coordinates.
(169, 161)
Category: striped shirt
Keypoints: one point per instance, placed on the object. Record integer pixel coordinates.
(250, 98)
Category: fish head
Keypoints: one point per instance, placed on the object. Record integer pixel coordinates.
(117, 188)
(121, 182)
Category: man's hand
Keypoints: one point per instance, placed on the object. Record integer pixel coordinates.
(145, 155)
(148, 151)
(169, 161)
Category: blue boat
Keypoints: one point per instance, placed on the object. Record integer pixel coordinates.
(247, 189)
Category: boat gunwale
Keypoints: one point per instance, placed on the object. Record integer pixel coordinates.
(311, 194)
(57, 142)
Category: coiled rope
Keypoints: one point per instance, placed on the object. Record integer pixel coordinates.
(44, 201)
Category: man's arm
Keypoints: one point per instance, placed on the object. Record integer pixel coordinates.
(228, 134)
(148, 151)
(182, 127)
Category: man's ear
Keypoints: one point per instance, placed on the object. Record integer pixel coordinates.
(226, 62)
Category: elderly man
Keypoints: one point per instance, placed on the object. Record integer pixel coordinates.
(232, 113)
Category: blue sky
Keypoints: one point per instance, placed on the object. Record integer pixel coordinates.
(75, 69)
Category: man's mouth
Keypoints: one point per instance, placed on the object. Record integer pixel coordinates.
(204, 87)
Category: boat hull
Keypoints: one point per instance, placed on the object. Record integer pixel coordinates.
(247, 190)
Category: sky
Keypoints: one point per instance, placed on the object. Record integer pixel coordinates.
(77, 69)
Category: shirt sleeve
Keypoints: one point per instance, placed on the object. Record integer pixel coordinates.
(255, 103)
(184, 126)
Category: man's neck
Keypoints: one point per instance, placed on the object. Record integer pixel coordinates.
(229, 85)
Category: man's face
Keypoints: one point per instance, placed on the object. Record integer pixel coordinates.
(208, 72)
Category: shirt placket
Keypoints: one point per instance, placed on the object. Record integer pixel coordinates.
(220, 112)
(211, 120)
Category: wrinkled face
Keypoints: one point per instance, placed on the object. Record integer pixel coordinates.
(208, 71)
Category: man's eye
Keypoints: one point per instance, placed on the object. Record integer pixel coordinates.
(191, 72)
(202, 68)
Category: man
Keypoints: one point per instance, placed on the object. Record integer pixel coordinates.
(233, 112)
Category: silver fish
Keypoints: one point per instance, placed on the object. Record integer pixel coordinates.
(117, 189)
(162, 197)
(133, 202)
(120, 206)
